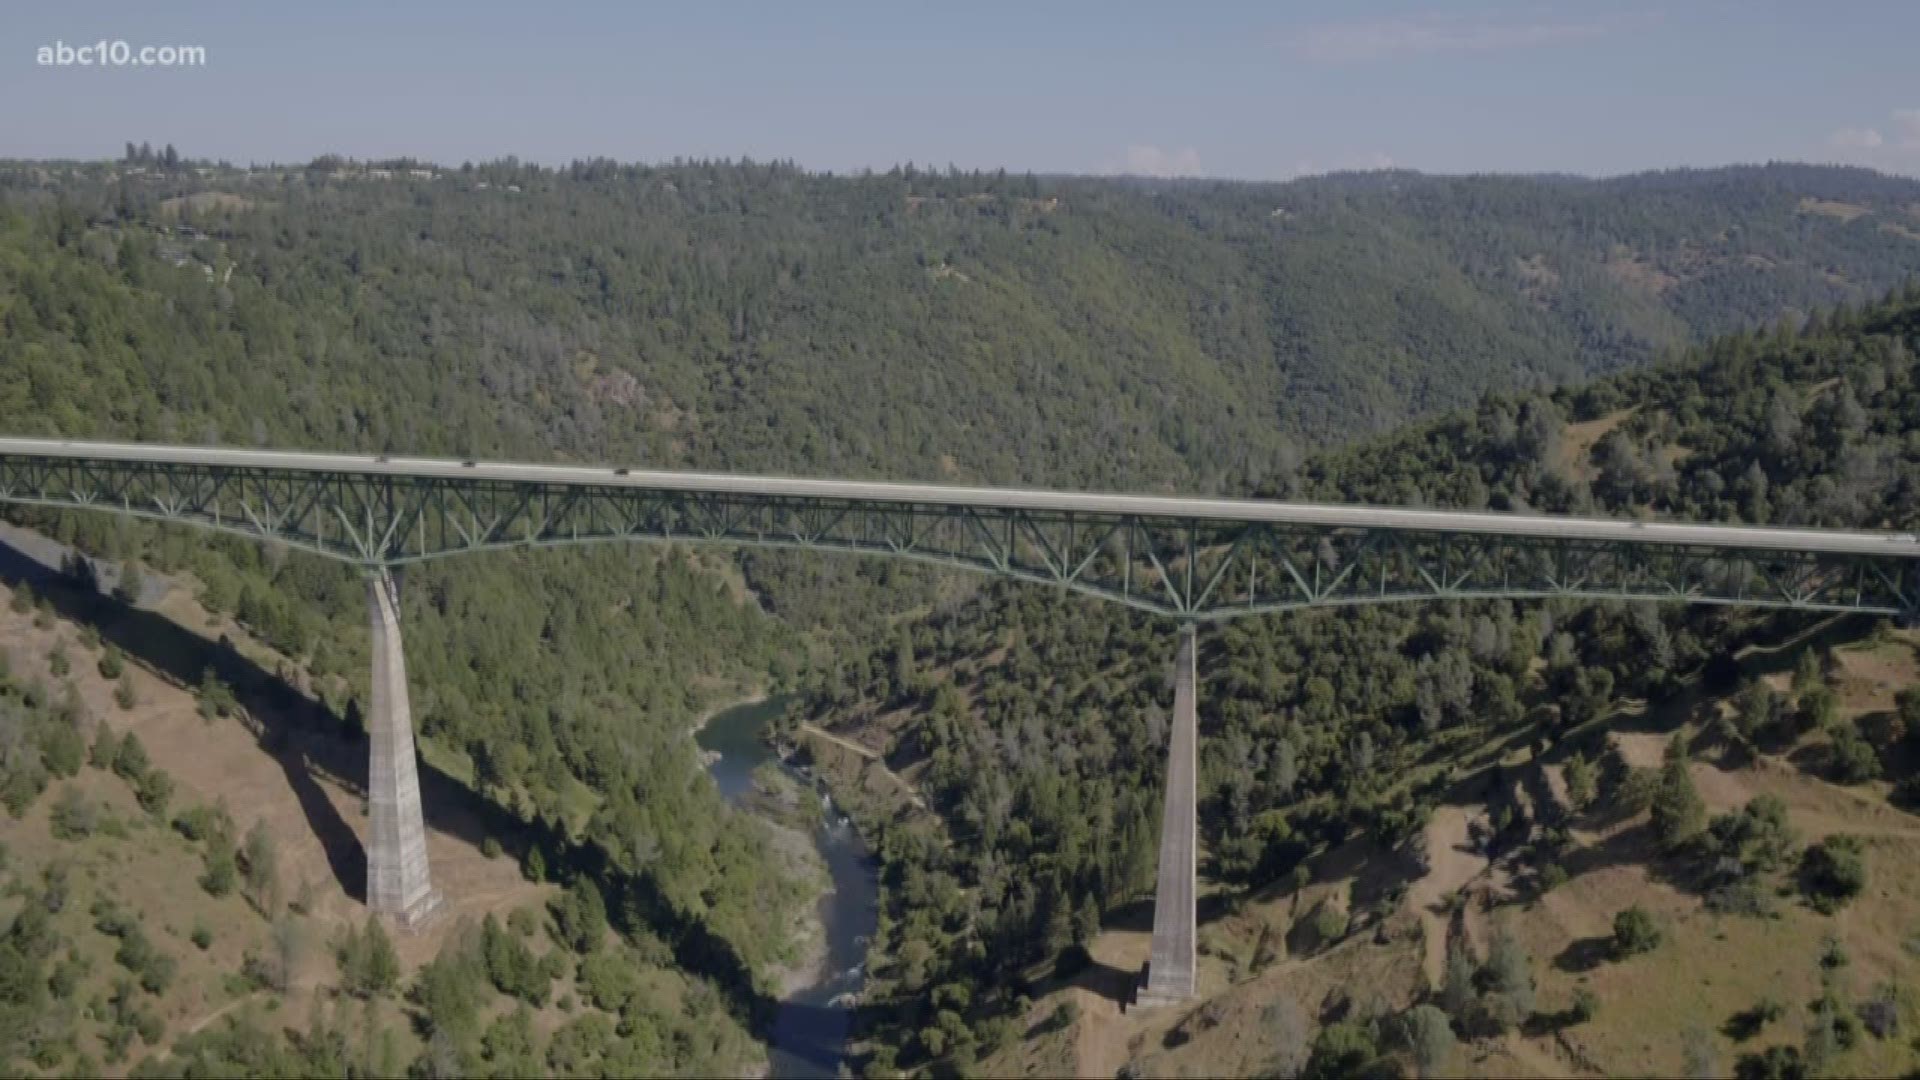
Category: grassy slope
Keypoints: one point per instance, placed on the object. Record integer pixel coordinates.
(1709, 968)
(273, 768)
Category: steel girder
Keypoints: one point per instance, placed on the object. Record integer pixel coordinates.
(1197, 569)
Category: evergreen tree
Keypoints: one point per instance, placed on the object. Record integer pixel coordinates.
(1679, 815)
(261, 862)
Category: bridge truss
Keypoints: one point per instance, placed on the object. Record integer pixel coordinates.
(1187, 567)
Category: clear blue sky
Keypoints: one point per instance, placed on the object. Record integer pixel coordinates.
(1221, 89)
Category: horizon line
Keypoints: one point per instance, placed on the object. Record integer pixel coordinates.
(911, 168)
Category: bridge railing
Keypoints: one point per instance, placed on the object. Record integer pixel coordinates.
(1185, 567)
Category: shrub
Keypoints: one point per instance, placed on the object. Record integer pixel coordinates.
(1328, 923)
(1833, 872)
(1634, 932)
(1508, 979)
(609, 979)
(511, 965)
(1552, 876)
(74, 816)
(1819, 707)
(130, 759)
(1773, 1063)
(223, 871)
(1854, 759)
(1832, 1031)
(105, 749)
(150, 1026)
(158, 973)
(579, 915)
(154, 790)
(62, 749)
(1757, 837)
(1582, 781)
(1341, 1049)
(1429, 1037)
(110, 918)
(196, 823)
(520, 921)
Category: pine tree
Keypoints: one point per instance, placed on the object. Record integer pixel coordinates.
(1509, 979)
(1679, 815)
(368, 964)
(262, 864)
(1086, 923)
(1458, 994)
(1582, 783)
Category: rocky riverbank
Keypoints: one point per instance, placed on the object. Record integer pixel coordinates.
(827, 941)
(790, 814)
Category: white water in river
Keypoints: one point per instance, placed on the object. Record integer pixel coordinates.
(810, 1029)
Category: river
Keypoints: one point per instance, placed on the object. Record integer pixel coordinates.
(809, 1037)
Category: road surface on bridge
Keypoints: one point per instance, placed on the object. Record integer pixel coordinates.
(1745, 537)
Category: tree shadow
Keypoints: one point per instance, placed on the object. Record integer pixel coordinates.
(308, 740)
(1584, 955)
(1628, 847)
(1750, 1021)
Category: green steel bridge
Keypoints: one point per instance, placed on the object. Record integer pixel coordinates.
(1191, 559)
(1187, 558)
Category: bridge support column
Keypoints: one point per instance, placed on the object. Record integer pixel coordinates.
(1911, 620)
(1170, 973)
(398, 885)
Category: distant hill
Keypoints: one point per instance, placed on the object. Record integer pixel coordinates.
(1052, 330)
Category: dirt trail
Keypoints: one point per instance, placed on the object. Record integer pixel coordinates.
(869, 754)
(820, 732)
(194, 1028)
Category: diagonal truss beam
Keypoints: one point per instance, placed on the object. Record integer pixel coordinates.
(1189, 568)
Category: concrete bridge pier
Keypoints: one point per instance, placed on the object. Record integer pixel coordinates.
(398, 885)
(1170, 973)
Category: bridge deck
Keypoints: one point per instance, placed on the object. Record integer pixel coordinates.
(1753, 538)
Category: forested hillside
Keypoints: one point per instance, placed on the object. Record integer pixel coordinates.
(1033, 722)
(1048, 330)
(917, 325)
